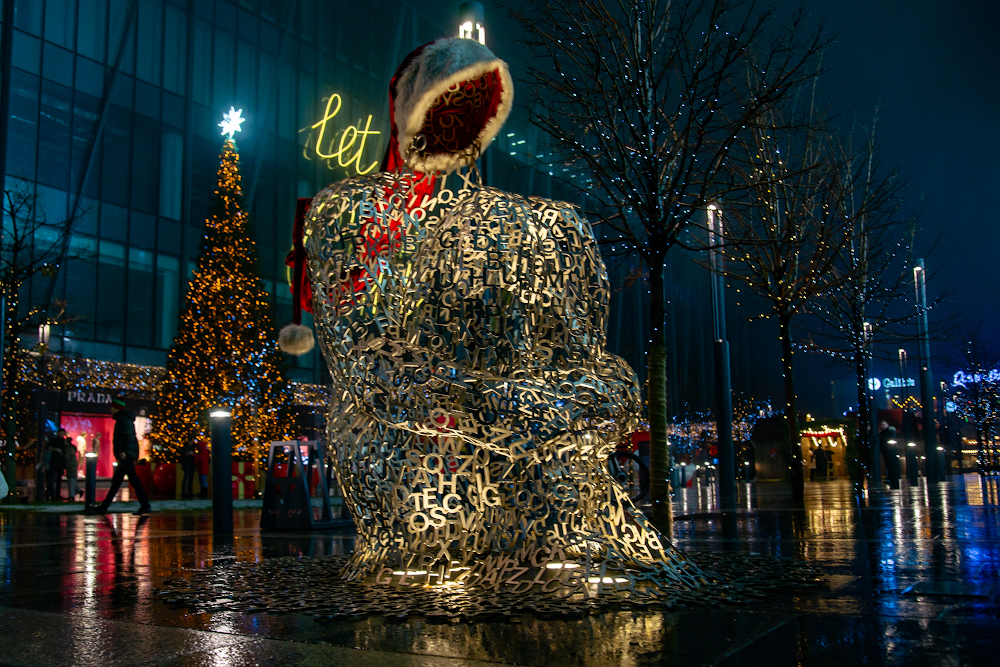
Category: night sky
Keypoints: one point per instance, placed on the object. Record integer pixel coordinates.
(932, 70)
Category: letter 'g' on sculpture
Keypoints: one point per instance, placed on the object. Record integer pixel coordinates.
(474, 404)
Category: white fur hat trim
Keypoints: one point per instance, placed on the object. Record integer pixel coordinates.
(440, 66)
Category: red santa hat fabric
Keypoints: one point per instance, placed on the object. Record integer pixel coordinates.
(448, 100)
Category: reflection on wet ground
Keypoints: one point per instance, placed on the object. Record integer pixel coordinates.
(914, 577)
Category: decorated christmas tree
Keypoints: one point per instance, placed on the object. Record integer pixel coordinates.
(225, 352)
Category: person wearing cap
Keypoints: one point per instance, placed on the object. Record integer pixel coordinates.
(126, 449)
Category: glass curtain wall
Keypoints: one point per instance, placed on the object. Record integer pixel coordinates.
(138, 197)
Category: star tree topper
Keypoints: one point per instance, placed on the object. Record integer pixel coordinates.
(231, 121)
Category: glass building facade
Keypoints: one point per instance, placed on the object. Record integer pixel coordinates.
(115, 106)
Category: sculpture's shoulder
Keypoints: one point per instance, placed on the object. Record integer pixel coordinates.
(560, 216)
(340, 198)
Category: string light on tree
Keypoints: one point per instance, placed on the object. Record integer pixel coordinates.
(225, 351)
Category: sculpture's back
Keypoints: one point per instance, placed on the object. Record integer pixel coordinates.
(474, 404)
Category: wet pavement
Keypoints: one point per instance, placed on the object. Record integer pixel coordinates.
(913, 578)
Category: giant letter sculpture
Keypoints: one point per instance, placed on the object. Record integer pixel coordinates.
(474, 404)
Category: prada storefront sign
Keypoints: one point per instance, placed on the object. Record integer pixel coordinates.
(98, 401)
(87, 396)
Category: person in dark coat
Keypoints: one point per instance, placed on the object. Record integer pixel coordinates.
(57, 464)
(126, 449)
(822, 463)
(890, 453)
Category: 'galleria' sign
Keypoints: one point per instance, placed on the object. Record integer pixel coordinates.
(352, 138)
(874, 384)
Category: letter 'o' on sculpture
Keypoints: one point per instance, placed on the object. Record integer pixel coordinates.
(474, 405)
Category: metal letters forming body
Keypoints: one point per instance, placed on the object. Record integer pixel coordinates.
(474, 404)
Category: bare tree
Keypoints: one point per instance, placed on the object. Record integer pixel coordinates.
(642, 102)
(784, 240)
(976, 388)
(31, 246)
(870, 303)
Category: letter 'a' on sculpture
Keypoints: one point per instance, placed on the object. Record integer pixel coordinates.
(474, 404)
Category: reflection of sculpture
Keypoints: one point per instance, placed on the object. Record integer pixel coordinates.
(474, 404)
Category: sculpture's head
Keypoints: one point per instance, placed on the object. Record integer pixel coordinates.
(447, 101)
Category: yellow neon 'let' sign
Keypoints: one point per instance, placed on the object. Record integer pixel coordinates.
(351, 136)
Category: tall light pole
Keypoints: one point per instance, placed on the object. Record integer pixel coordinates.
(911, 446)
(44, 332)
(934, 468)
(870, 414)
(723, 381)
(471, 24)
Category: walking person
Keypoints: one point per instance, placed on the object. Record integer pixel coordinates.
(71, 458)
(126, 449)
(56, 464)
(890, 454)
(188, 465)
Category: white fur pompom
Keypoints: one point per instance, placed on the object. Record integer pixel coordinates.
(296, 339)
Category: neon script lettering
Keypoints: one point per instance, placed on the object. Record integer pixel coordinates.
(350, 136)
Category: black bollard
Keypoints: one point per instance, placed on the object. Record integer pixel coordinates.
(222, 472)
(90, 485)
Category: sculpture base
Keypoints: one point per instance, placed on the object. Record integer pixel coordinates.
(314, 586)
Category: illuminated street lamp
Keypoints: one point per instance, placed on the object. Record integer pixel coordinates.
(871, 453)
(44, 330)
(723, 380)
(471, 24)
(935, 467)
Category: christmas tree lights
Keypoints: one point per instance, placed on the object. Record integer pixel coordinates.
(225, 352)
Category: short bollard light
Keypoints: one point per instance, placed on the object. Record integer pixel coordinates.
(222, 471)
(90, 486)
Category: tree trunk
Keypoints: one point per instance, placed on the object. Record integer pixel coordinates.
(863, 439)
(659, 452)
(791, 414)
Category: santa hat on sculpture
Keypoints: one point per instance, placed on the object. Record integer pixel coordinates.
(436, 83)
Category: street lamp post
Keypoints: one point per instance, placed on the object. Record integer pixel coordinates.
(222, 471)
(911, 446)
(934, 468)
(870, 427)
(43, 346)
(723, 381)
(471, 24)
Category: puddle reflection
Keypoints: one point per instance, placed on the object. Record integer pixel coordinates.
(109, 566)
